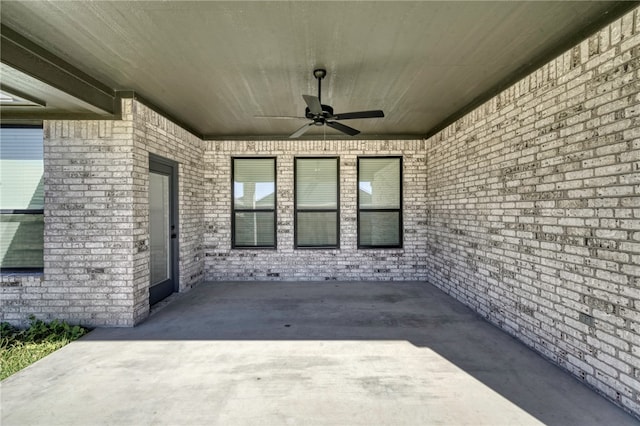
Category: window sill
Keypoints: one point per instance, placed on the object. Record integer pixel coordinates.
(22, 271)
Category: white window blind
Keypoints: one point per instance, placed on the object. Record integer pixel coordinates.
(254, 183)
(379, 183)
(254, 229)
(21, 169)
(317, 183)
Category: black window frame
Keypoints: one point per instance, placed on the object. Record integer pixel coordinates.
(26, 269)
(297, 210)
(274, 210)
(398, 210)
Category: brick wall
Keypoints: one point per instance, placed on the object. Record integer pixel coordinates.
(533, 210)
(88, 242)
(287, 263)
(21, 296)
(155, 134)
(96, 266)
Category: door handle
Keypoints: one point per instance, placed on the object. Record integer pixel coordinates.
(174, 236)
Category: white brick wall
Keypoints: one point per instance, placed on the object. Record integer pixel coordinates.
(21, 296)
(533, 210)
(154, 134)
(96, 268)
(287, 263)
(88, 173)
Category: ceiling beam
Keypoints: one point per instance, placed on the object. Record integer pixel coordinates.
(29, 58)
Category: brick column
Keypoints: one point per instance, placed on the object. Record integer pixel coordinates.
(88, 239)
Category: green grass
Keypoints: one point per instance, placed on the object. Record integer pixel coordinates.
(22, 347)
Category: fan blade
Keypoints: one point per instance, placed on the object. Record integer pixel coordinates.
(301, 131)
(314, 104)
(344, 129)
(280, 117)
(360, 114)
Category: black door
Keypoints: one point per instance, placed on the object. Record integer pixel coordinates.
(163, 228)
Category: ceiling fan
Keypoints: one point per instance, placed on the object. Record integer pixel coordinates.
(323, 114)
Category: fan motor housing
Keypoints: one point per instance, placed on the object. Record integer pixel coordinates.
(327, 112)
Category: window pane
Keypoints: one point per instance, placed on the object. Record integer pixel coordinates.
(317, 229)
(379, 228)
(21, 240)
(254, 183)
(317, 183)
(159, 217)
(379, 183)
(254, 229)
(21, 169)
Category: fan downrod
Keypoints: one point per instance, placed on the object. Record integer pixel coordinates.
(319, 74)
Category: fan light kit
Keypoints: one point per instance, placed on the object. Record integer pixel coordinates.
(323, 114)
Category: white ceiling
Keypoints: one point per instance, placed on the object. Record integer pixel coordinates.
(214, 66)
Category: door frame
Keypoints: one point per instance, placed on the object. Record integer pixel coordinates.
(168, 167)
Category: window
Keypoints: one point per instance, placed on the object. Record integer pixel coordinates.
(21, 198)
(316, 203)
(254, 201)
(379, 202)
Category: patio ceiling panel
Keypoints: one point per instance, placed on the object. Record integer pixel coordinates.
(214, 66)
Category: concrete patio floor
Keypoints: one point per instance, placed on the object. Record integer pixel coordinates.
(270, 353)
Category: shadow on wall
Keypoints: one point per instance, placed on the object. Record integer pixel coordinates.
(373, 311)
